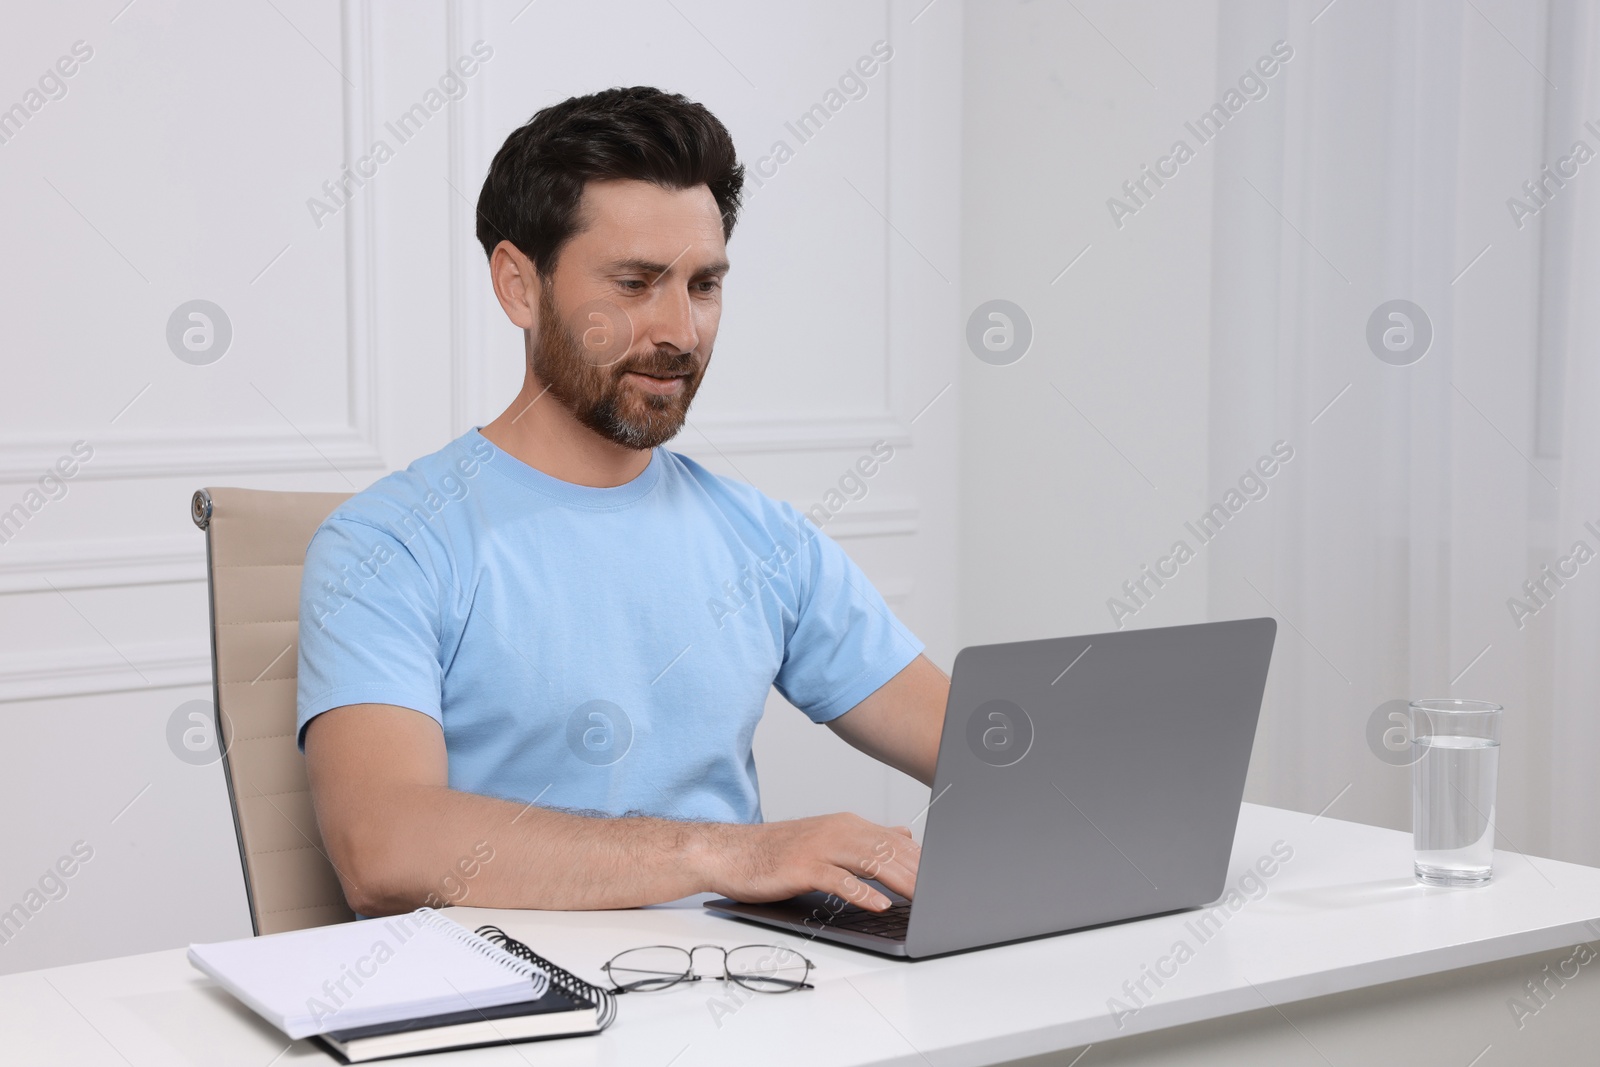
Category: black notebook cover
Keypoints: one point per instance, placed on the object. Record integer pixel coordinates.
(552, 1001)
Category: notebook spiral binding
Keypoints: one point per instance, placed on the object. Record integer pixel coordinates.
(561, 978)
(483, 946)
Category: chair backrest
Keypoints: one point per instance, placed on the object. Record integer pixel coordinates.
(255, 551)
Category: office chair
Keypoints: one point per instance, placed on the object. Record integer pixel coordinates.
(255, 550)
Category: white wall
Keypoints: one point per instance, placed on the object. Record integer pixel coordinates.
(178, 166)
(1081, 461)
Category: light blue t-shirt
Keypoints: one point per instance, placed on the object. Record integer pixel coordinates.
(606, 650)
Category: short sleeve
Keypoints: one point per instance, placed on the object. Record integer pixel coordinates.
(369, 625)
(845, 642)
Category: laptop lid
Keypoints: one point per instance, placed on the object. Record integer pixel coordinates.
(1087, 780)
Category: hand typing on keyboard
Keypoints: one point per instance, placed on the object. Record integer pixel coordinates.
(825, 853)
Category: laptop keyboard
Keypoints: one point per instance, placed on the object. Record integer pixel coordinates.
(891, 923)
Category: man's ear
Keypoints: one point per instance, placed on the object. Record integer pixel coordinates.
(516, 284)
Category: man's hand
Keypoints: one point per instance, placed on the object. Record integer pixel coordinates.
(827, 853)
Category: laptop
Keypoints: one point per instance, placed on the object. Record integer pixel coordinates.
(1080, 781)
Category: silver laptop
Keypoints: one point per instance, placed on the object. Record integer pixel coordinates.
(1081, 781)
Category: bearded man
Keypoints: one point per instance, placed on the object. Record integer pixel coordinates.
(510, 647)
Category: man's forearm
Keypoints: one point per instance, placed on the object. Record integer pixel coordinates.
(400, 838)
(433, 845)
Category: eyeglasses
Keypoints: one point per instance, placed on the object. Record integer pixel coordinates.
(761, 968)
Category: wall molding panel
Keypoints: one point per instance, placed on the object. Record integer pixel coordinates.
(102, 564)
(220, 449)
(96, 669)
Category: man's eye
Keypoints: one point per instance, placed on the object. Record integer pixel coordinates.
(709, 286)
(633, 284)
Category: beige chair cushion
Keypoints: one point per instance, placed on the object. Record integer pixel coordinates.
(256, 546)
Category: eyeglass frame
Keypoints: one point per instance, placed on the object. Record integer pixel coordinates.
(689, 975)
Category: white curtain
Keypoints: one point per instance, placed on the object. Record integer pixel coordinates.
(1420, 498)
(1572, 640)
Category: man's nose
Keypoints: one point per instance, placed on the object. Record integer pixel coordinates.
(672, 322)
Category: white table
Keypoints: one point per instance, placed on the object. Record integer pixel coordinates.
(1340, 958)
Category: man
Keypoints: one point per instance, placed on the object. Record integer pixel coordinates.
(518, 657)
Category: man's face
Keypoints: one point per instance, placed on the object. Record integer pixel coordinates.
(629, 317)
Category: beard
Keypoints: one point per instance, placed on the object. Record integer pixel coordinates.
(591, 383)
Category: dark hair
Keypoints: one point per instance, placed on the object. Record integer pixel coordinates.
(531, 195)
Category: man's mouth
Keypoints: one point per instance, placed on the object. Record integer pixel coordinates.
(660, 384)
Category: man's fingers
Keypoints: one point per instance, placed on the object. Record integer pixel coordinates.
(899, 848)
(899, 875)
(848, 886)
(884, 856)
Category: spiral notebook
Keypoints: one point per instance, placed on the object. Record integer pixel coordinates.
(372, 973)
(569, 1007)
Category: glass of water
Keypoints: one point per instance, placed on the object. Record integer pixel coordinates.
(1456, 754)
